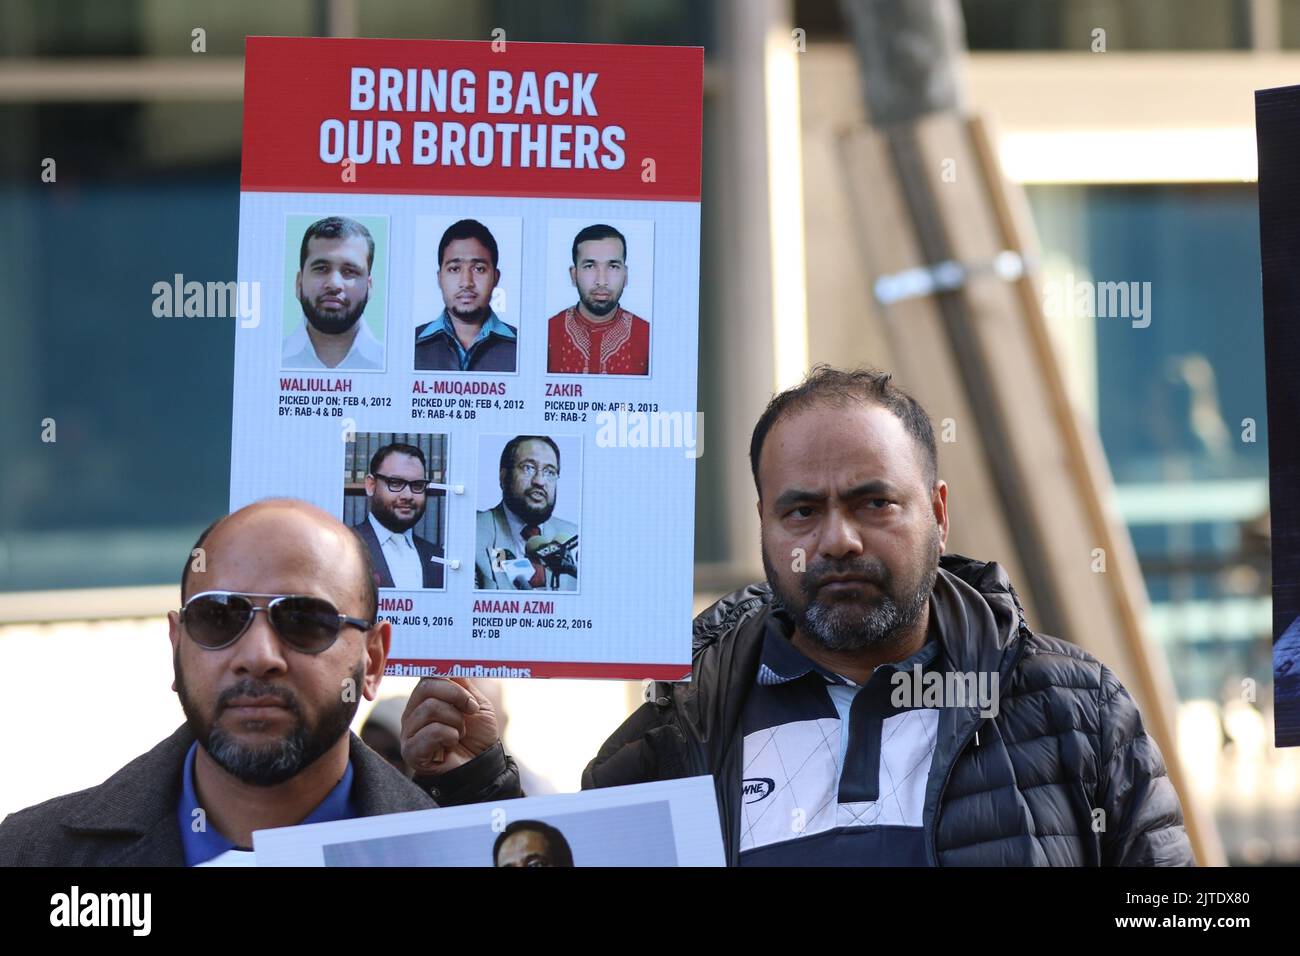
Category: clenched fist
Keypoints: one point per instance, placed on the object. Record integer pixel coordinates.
(446, 724)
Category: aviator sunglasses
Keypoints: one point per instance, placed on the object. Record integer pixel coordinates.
(216, 619)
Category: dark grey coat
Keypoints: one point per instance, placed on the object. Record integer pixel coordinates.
(130, 818)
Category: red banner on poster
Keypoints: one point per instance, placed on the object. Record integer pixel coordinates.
(487, 119)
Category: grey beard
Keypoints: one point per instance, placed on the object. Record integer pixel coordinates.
(875, 626)
(853, 627)
(263, 767)
(278, 762)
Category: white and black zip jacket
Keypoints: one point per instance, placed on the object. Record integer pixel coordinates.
(1020, 788)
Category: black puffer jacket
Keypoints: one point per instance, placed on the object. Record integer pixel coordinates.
(1016, 789)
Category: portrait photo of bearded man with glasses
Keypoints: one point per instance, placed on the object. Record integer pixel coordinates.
(520, 544)
(397, 494)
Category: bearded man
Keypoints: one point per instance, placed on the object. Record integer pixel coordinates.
(273, 648)
(519, 543)
(879, 701)
(397, 489)
(597, 336)
(882, 702)
(333, 284)
(468, 335)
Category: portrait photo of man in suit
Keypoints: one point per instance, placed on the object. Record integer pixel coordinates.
(519, 543)
(397, 494)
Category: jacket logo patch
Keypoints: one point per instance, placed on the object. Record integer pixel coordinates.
(757, 788)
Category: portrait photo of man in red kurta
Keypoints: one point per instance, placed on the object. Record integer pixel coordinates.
(597, 336)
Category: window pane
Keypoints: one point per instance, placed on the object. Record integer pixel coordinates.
(137, 28)
(673, 22)
(1173, 399)
(140, 405)
(1069, 24)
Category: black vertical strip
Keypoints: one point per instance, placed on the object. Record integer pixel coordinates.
(977, 380)
(860, 778)
(1277, 130)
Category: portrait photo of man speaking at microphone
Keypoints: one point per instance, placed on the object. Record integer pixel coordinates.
(520, 543)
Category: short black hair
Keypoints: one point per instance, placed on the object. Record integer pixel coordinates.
(369, 589)
(598, 231)
(868, 386)
(337, 227)
(468, 229)
(397, 447)
(508, 453)
(561, 853)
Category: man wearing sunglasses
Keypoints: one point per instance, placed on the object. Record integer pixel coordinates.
(397, 488)
(274, 645)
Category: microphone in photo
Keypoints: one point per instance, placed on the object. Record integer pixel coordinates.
(569, 560)
(556, 554)
(518, 571)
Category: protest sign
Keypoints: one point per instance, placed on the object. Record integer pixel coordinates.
(484, 260)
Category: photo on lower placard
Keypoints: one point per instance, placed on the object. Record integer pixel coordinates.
(659, 824)
(639, 835)
(395, 499)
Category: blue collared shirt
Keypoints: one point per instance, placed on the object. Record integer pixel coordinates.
(206, 843)
(493, 326)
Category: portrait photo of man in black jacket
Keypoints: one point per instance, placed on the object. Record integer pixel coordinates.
(878, 700)
(467, 335)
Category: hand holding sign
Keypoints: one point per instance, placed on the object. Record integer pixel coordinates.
(446, 724)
